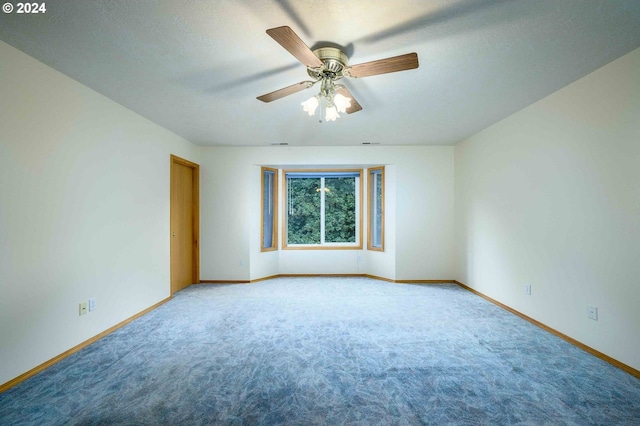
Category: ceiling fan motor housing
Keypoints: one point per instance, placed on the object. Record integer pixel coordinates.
(334, 62)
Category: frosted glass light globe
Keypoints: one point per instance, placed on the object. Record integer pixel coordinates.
(341, 102)
(331, 114)
(310, 105)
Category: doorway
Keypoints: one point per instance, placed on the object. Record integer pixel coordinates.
(185, 223)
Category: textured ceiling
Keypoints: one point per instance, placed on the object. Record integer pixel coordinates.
(196, 67)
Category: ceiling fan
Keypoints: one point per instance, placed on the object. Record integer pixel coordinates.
(327, 65)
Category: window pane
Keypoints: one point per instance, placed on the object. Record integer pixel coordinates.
(269, 212)
(322, 209)
(376, 209)
(303, 211)
(340, 210)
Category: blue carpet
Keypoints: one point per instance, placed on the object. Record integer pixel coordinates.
(323, 351)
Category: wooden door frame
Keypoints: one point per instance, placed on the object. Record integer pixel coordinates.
(196, 217)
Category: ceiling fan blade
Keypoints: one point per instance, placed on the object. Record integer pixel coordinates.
(355, 106)
(383, 66)
(294, 45)
(289, 90)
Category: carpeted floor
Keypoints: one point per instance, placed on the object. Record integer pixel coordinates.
(327, 351)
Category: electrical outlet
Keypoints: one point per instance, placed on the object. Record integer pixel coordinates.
(92, 305)
(82, 308)
(592, 312)
(527, 289)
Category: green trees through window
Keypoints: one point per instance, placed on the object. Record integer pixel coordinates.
(323, 208)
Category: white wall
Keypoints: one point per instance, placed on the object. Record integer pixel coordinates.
(551, 197)
(230, 236)
(425, 203)
(84, 212)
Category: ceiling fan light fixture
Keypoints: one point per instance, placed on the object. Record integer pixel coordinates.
(327, 65)
(335, 103)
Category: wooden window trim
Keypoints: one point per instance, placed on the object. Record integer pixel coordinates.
(357, 246)
(370, 190)
(274, 234)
